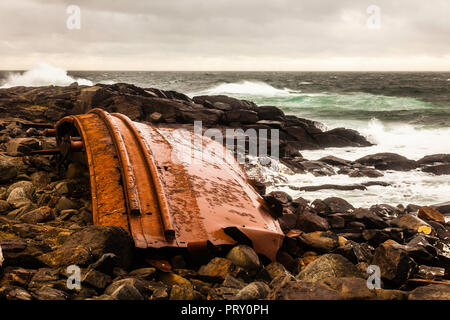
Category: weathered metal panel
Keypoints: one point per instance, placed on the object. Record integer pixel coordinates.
(140, 180)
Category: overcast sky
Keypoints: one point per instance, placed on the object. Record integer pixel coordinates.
(226, 35)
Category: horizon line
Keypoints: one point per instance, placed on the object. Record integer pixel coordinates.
(118, 70)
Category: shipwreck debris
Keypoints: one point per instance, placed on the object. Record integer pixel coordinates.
(139, 183)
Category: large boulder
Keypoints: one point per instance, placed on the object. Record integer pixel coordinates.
(435, 158)
(89, 244)
(270, 113)
(329, 266)
(8, 168)
(324, 241)
(394, 262)
(244, 257)
(431, 292)
(430, 213)
(303, 290)
(388, 161)
(439, 169)
(310, 222)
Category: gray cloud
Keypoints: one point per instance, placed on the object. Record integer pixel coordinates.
(226, 34)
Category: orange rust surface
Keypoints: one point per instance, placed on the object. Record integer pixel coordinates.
(140, 180)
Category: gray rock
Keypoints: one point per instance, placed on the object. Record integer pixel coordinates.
(244, 257)
(126, 292)
(48, 293)
(18, 197)
(41, 214)
(253, 291)
(326, 266)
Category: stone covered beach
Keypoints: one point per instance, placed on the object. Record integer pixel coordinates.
(46, 212)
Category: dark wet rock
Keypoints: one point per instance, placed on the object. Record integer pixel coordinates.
(5, 207)
(376, 236)
(333, 187)
(143, 273)
(276, 269)
(41, 214)
(338, 205)
(309, 222)
(44, 276)
(89, 244)
(126, 292)
(435, 158)
(287, 221)
(442, 207)
(96, 279)
(350, 288)
(19, 252)
(320, 207)
(335, 161)
(439, 169)
(276, 200)
(336, 221)
(366, 172)
(14, 293)
(225, 100)
(429, 273)
(394, 262)
(254, 291)
(385, 210)
(270, 113)
(421, 250)
(341, 137)
(318, 168)
(412, 224)
(430, 213)
(410, 208)
(319, 240)
(22, 146)
(106, 263)
(388, 161)
(232, 282)
(48, 293)
(302, 290)
(65, 203)
(327, 266)
(16, 276)
(431, 292)
(183, 293)
(355, 252)
(370, 219)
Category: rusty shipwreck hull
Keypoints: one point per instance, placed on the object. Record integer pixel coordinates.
(139, 183)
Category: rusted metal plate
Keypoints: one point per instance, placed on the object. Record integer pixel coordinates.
(141, 181)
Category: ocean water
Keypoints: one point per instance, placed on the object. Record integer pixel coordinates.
(403, 112)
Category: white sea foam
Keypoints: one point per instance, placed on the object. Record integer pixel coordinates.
(251, 88)
(406, 187)
(404, 139)
(43, 74)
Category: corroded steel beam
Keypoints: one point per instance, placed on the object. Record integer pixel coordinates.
(139, 182)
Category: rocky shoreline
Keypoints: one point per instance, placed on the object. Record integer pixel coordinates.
(46, 223)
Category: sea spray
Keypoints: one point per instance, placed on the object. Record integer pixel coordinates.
(43, 74)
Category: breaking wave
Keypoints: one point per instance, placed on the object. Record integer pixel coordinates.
(42, 74)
